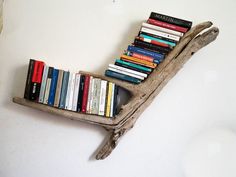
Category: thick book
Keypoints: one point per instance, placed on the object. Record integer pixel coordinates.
(66, 75)
(81, 91)
(48, 85)
(122, 77)
(151, 41)
(102, 98)
(53, 87)
(36, 80)
(155, 55)
(76, 92)
(167, 25)
(133, 66)
(148, 36)
(138, 61)
(43, 84)
(165, 30)
(171, 20)
(58, 89)
(88, 108)
(109, 95)
(85, 93)
(96, 96)
(159, 33)
(29, 79)
(128, 70)
(152, 47)
(70, 91)
(126, 73)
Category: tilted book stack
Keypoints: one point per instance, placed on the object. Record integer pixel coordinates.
(156, 38)
(70, 91)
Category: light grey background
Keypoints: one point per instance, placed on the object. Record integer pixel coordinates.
(187, 124)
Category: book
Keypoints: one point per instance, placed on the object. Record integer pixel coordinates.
(48, 85)
(108, 106)
(155, 55)
(76, 92)
(112, 100)
(171, 20)
(122, 77)
(81, 90)
(64, 87)
(159, 33)
(53, 87)
(167, 25)
(165, 30)
(43, 84)
(58, 88)
(127, 70)
(116, 91)
(102, 98)
(88, 109)
(148, 36)
(95, 96)
(126, 73)
(133, 66)
(85, 93)
(70, 91)
(152, 42)
(36, 80)
(142, 57)
(138, 61)
(158, 37)
(29, 79)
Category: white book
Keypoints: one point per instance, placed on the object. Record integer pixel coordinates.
(43, 84)
(159, 33)
(96, 96)
(72, 87)
(102, 99)
(76, 92)
(126, 73)
(68, 91)
(165, 30)
(89, 94)
(47, 90)
(112, 100)
(128, 70)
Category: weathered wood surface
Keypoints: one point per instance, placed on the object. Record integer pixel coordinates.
(142, 94)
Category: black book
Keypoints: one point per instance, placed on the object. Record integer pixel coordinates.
(115, 109)
(171, 20)
(152, 47)
(28, 83)
(81, 91)
(158, 37)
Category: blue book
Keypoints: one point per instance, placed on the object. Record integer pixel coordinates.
(64, 87)
(53, 87)
(157, 56)
(122, 77)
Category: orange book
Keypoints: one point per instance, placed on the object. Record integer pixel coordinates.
(138, 61)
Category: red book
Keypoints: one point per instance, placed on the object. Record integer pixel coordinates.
(152, 41)
(85, 93)
(142, 57)
(167, 25)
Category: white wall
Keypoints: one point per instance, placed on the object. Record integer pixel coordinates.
(87, 35)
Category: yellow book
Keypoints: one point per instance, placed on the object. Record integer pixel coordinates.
(109, 95)
(138, 61)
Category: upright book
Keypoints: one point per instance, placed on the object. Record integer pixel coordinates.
(53, 87)
(29, 79)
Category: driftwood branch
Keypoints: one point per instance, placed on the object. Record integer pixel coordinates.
(142, 94)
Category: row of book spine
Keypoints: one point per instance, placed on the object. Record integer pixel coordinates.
(70, 91)
(156, 38)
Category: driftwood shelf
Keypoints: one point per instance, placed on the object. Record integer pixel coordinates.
(142, 94)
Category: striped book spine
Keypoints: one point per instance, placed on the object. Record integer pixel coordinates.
(88, 110)
(48, 85)
(138, 61)
(108, 106)
(70, 91)
(29, 79)
(43, 84)
(76, 92)
(172, 44)
(102, 99)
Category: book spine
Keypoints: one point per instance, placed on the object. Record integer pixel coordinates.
(48, 85)
(138, 61)
(126, 73)
(36, 80)
(108, 109)
(155, 55)
(81, 90)
(29, 79)
(53, 87)
(128, 70)
(112, 100)
(167, 25)
(171, 20)
(158, 37)
(152, 42)
(171, 44)
(58, 89)
(96, 95)
(158, 33)
(66, 75)
(76, 92)
(133, 66)
(43, 84)
(116, 90)
(102, 99)
(122, 77)
(139, 56)
(70, 91)
(165, 30)
(88, 110)
(85, 93)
